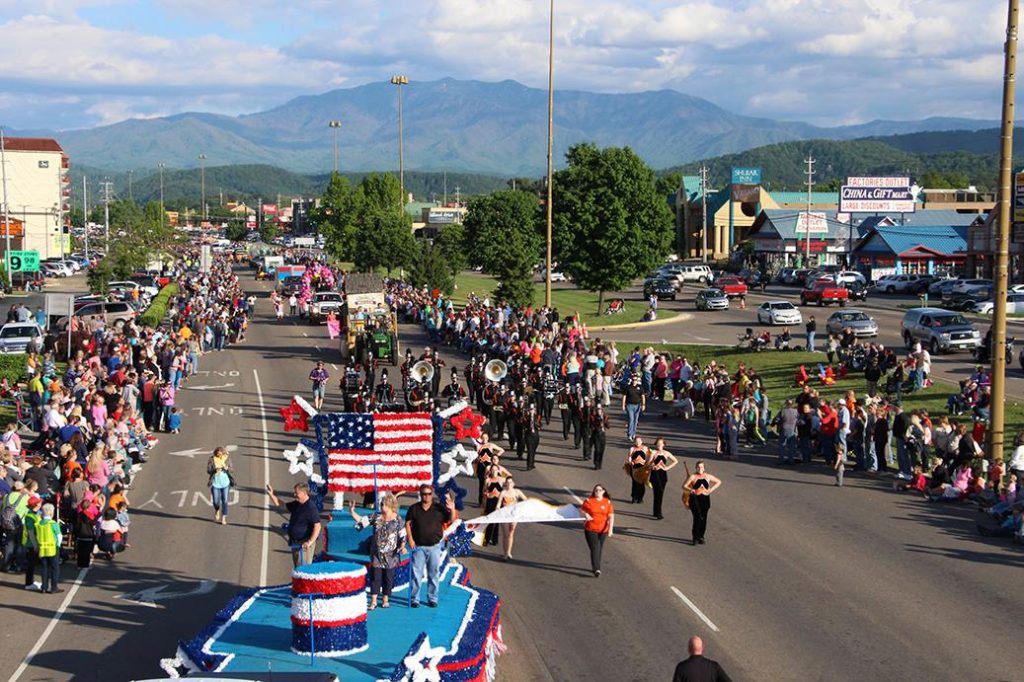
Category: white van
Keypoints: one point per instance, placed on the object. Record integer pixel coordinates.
(696, 273)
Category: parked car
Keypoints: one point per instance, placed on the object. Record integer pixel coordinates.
(941, 287)
(711, 299)
(778, 312)
(939, 330)
(965, 300)
(922, 284)
(51, 270)
(697, 273)
(860, 322)
(785, 276)
(662, 288)
(847, 276)
(800, 276)
(751, 277)
(893, 284)
(732, 285)
(114, 313)
(1014, 304)
(858, 290)
(824, 292)
(17, 337)
(964, 286)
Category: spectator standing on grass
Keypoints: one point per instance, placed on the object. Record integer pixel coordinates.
(812, 328)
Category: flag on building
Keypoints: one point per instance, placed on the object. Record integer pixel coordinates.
(395, 448)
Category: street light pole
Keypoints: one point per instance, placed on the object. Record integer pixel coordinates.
(807, 215)
(997, 412)
(7, 212)
(202, 183)
(704, 213)
(162, 211)
(398, 81)
(551, 135)
(335, 125)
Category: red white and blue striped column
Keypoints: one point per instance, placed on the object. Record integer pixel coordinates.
(329, 609)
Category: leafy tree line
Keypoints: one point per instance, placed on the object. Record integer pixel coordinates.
(137, 234)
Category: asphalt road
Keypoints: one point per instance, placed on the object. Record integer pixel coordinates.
(799, 580)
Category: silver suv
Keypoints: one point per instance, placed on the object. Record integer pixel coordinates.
(696, 273)
(938, 330)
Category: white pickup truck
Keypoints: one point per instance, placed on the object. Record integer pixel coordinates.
(323, 302)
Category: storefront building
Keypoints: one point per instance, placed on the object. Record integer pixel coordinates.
(913, 250)
(779, 238)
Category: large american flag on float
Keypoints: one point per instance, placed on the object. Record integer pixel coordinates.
(398, 444)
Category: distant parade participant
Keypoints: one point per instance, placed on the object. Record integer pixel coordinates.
(509, 495)
(586, 432)
(383, 393)
(532, 435)
(550, 390)
(319, 377)
(599, 426)
(487, 453)
(700, 485)
(453, 392)
(565, 409)
(576, 399)
(500, 411)
(661, 461)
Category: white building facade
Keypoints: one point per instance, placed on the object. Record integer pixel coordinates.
(38, 194)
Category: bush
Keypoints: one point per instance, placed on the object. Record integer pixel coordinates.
(12, 368)
(157, 309)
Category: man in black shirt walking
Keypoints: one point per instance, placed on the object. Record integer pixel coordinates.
(696, 668)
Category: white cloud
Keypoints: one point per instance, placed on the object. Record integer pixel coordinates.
(813, 59)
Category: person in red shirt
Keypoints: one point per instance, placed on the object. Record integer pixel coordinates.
(600, 524)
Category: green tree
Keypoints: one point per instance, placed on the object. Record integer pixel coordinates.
(236, 231)
(430, 268)
(268, 231)
(336, 217)
(379, 191)
(384, 240)
(610, 223)
(669, 183)
(453, 247)
(502, 237)
(99, 277)
(76, 217)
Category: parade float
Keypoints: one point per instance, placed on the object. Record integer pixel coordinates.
(319, 621)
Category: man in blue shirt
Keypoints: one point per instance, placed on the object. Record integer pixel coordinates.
(303, 523)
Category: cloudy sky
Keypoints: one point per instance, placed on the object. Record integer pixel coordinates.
(79, 63)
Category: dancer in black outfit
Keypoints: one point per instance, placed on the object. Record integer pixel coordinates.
(599, 426)
(700, 485)
(661, 461)
(636, 467)
(492, 492)
(487, 454)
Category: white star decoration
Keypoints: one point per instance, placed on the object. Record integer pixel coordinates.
(304, 404)
(459, 461)
(294, 465)
(422, 665)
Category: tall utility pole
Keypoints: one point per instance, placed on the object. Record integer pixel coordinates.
(997, 413)
(162, 211)
(551, 136)
(335, 125)
(7, 211)
(807, 215)
(85, 212)
(704, 213)
(398, 81)
(106, 214)
(131, 196)
(202, 183)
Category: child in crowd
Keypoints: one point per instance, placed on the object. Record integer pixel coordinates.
(918, 483)
(174, 421)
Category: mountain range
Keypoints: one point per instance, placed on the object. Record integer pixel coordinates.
(471, 126)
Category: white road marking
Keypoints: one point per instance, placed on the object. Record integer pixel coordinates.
(574, 496)
(208, 388)
(305, 334)
(151, 595)
(693, 607)
(334, 366)
(50, 627)
(318, 349)
(265, 552)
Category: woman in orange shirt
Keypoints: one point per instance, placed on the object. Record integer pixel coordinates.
(600, 524)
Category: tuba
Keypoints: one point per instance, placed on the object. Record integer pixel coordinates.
(422, 371)
(495, 370)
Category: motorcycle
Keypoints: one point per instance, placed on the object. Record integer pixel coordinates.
(983, 353)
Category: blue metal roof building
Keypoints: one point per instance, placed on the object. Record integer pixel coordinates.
(914, 249)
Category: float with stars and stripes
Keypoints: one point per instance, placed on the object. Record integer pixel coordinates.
(313, 624)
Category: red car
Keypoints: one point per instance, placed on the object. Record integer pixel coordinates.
(732, 285)
(824, 292)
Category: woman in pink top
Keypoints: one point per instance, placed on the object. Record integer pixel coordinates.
(97, 469)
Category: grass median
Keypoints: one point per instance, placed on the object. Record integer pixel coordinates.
(778, 368)
(566, 298)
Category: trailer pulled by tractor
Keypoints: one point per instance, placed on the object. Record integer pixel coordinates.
(369, 327)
